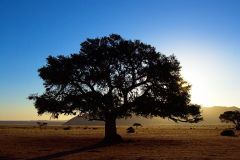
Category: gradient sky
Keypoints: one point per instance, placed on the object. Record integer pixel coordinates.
(203, 34)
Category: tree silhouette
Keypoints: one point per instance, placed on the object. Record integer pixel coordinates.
(113, 78)
(42, 125)
(137, 125)
(231, 117)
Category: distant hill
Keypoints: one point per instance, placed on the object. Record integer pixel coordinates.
(210, 115)
(80, 121)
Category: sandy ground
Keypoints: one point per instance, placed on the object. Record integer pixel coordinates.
(163, 142)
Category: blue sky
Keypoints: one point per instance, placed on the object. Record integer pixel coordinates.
(203, 34)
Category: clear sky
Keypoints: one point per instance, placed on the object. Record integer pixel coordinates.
(203, 34)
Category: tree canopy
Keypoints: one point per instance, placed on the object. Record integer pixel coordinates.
(137, 125)
(231, 117)
(114, 78)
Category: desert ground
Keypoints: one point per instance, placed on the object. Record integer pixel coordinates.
(79, 142)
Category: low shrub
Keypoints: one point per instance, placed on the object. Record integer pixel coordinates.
(67, 128)
(130, 130)
(228, 132)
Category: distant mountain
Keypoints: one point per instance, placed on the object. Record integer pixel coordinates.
(80, 121)
(210, 116)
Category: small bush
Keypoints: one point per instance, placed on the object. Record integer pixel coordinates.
(227, 132)
(67, 128)
(130, 130)
(237, 127)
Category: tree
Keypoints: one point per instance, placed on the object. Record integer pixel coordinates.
(113, 78)
(137, 125)
(231, 117)
(42, 125)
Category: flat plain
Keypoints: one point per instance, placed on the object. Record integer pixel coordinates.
(79, 142)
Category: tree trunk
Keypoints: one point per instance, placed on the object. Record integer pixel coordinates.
(111, 136)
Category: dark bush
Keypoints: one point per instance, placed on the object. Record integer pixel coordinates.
(130, 130)
(228, 132)
(67, 128)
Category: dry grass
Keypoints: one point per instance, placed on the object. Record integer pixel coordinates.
(164, 142)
